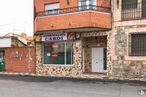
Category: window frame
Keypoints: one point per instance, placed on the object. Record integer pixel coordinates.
(43, 54)
(143, 9)
(52, 10)
(127, 3)
(87, 4)
(130, 45)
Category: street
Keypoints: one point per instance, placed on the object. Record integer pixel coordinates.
(34, 87)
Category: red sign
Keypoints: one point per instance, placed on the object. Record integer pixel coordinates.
(55, 46)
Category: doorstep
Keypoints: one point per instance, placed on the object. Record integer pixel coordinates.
(94, 75)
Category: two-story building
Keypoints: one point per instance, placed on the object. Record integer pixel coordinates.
(128, 40)
(71, 36)
(76, 37)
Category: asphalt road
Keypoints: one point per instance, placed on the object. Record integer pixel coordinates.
(46, 87)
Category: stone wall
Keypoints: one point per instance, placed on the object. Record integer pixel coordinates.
(121, 65)
(87, 60)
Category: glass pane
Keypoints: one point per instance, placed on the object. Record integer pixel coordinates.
(83, 4)
(92, 2)
(143, 8)
(68, 53)
(129, 4)
(138, 44)
(54, 53)
(47, 53)
(58, 52)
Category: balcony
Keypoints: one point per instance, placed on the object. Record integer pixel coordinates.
(133, 11)
(82, 18)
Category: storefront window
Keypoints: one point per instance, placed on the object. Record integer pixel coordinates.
(58, 53)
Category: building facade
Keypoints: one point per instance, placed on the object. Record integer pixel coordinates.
(71, 37)
(128, 40)
(76, 37)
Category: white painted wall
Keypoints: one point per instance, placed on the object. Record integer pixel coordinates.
(5, 42)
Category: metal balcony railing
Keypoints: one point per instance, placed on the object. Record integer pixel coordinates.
(133, 11)
(74, 9)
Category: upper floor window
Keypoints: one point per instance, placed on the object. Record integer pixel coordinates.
(87, 4)
(132, 9)
(52, 8)
(138, 44)
(129, 4)
(143, 8)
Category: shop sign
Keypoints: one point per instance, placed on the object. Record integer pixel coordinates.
(55, 37)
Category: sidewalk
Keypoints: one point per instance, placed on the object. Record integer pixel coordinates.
(84, 78)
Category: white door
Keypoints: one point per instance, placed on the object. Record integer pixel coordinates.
(97, 59)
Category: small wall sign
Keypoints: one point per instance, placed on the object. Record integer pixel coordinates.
(55, 45)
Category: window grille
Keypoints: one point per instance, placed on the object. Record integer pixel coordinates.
(138, 44)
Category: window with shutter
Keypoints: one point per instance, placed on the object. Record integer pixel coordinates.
(52, 8)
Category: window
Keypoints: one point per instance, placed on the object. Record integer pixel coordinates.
(52, 8)
(118, 4)
(130, 9)
(87, 4)
(129, 4)
(138, 44)
(58, 53)
(143, 8)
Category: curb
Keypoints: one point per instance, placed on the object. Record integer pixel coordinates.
(30, 77)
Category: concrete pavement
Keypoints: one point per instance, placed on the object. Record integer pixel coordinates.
(27, 86)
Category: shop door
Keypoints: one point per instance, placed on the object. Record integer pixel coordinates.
(97, 59)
